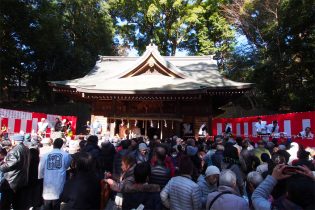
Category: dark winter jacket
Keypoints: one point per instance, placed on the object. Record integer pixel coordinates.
(16, 166)
(146, 194)
(83, 191)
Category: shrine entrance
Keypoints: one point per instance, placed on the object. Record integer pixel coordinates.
(153, 95)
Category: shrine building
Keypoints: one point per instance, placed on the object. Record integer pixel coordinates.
(153, 94)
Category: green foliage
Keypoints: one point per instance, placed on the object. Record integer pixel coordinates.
(50, 40)
(195, 26)
(282, 34)
(44, 40)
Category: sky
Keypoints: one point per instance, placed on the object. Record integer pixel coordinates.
(241, 42)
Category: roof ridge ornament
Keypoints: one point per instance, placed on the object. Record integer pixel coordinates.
(151, 46)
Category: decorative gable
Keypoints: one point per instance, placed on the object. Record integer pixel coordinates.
(153, 63)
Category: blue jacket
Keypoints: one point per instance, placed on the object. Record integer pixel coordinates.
(262, 192)
(181, 193)
(205, 189)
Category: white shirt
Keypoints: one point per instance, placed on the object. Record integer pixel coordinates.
(42, 126)
(303, 135)
(270, 127)
(96, 127)
(261, 127)
(52, 168)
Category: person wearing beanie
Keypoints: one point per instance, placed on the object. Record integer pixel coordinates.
(16, 171)
(142, 154)
(208, 182)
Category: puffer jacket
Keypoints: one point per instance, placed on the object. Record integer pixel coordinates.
(205, 189)
(231, 200)
(181, 193)
(126, 179)
(16, 166)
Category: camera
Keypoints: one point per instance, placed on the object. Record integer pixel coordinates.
(290, 170)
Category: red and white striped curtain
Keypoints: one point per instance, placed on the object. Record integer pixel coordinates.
(17, 121)
(290, 123)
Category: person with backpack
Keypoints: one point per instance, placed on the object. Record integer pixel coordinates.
(227, 196)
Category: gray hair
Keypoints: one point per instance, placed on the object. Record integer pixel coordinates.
(227, 178)
(255, 178)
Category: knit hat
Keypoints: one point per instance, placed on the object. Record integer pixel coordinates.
(212, 170)
(18, 137)
(191, 151)
(143, 146)
(282, 147)
(27, 137)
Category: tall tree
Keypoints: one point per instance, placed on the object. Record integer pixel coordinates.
(192, 25)
(282, 34)
(51, 40)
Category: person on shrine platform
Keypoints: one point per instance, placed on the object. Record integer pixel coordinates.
(42, 127)
(273, 128)
(3, 130)
(87, 128)
(306, 133)
(228, 129)
(260, 127)
(203, 130)
(58, 125)
(96, 127)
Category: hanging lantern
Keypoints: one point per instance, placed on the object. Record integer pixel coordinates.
(128, 124)
(143, 123)
(136, 122)
(172, 125)
(151, 124)
(122, 122)
(158, 126)
(165, 124)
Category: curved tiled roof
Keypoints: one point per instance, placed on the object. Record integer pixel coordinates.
(152, 73)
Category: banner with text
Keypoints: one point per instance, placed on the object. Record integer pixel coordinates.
(17, 121)
(291, 124)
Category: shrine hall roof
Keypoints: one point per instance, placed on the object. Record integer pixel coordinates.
(152, 73)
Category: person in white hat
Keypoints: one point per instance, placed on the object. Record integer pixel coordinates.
(208, 182)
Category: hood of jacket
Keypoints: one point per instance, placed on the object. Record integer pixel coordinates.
(142, 188)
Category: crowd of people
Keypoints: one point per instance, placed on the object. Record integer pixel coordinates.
(95, 173)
